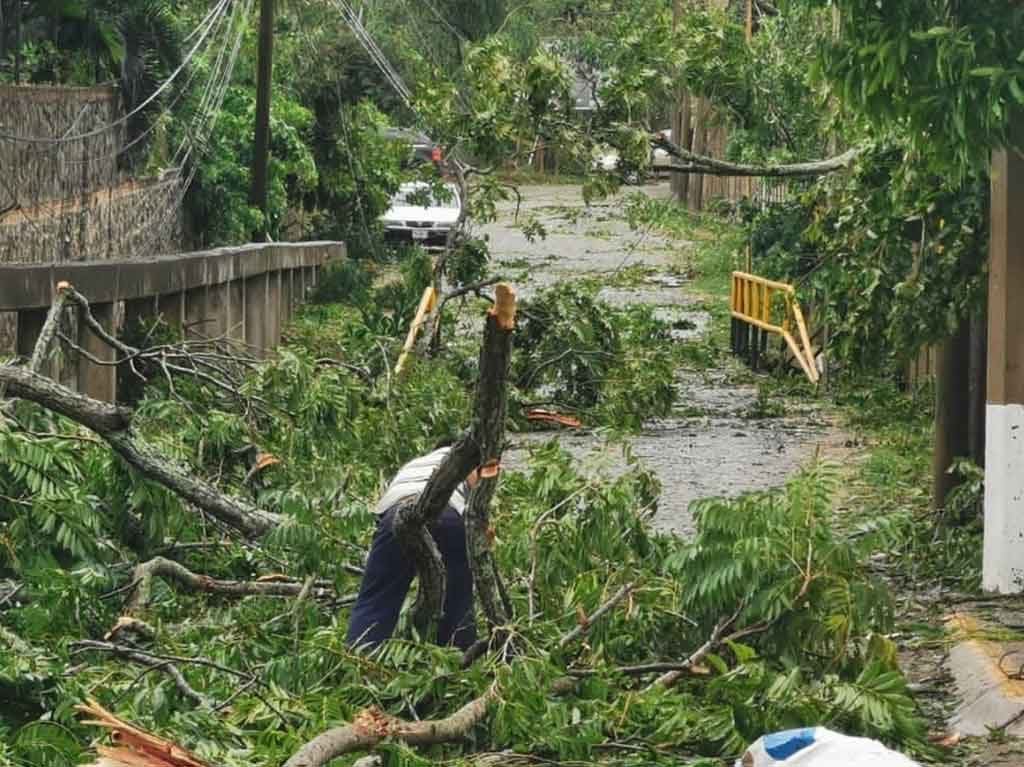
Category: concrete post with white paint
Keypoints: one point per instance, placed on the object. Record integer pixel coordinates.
(1003, 568)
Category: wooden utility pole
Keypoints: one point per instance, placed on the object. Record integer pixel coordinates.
(1003, 564)
(977, 389)
(680, 118)
(261, 143)
(699, 112)
(952, 409)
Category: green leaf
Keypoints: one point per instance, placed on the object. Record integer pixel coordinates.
(986, 71)
(1016, 90)
(933, 33)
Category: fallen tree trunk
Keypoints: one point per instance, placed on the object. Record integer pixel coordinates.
(372, 726)
(698, 163)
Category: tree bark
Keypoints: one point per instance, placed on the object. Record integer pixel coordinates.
(99, 416)
(695, 162)
(372, 726)
(235, 513)
(952, 406)
(491, 407)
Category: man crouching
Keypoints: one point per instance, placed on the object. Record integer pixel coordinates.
(389, 571)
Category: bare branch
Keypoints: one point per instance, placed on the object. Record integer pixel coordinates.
(151, 662)
(372, 726)
(251, 679)
(584, 626)
(696, 163)
(716, 639)
(159, 567)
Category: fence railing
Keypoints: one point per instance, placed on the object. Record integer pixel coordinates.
(244, 294)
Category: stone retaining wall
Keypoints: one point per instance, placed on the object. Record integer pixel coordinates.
(39, 171)
(133, 219)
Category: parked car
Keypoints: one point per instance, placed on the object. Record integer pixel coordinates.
(424, 149)
(419, 214)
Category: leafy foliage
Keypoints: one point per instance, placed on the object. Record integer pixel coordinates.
(950, 76)
(582, 354)
(894, 257)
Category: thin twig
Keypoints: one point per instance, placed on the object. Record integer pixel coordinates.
(584, 626)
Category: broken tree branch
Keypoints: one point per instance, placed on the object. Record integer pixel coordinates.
(583, 627)
(638, 670)
(489, 427)
(46, 335)
(112, 424)
(49, 327)
(372, 726)
(159, 567)
(697, 163)
(98, 416)
(151, 662)
(716, 639)
(134, 746)
(718, 636)
(248, 678)
(411, 522)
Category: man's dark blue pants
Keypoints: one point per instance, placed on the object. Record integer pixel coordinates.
(389, 573)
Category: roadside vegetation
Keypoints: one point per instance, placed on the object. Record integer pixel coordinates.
(622, 646)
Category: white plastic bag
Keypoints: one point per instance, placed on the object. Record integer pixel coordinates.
(820, 747)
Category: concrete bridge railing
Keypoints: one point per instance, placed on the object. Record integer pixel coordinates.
(246, 293)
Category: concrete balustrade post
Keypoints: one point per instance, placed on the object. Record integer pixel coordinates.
(97, 380)
(257, 290)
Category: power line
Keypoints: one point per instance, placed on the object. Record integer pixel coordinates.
(374, 52)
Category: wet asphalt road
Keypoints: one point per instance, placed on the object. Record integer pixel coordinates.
(710, 448)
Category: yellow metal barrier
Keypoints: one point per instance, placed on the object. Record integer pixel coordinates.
(761, 306)
(427, 304)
